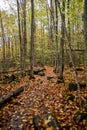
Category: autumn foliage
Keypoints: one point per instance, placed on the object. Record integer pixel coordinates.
(43, 96)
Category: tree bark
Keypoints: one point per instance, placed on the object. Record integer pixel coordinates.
(42, 46)
(56, 36)
(24, 33)
(32, 40)
(20, 37)
(68, 7)
(85, 33)
(3, 39)
(51, 31)
(61, 68)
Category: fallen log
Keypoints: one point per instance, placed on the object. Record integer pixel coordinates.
(73, 86)
(38, 71)
(18, 91)
(7, 78)
(7, 98)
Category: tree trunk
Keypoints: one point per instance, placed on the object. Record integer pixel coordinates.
(85, 33)
(68, 7)
(62, 41)
(42, 46)
(56, 36)
(20, 39)
(24, 33)
(32, 40)
(3, 39)
(51, 32)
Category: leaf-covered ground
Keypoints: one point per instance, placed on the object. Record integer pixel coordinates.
(42, 95)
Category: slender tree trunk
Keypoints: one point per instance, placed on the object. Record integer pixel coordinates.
(51, 31)
(62, 41)
(50, 35)
(85, 33)
(68, 23)
(48, 22)
(24, 33)
(9, 48)
(32, 40)
(12, 49)
(20, 39)
(56, 35)
(3, 39)
(42, 45)
(8, 52)
(68, 8)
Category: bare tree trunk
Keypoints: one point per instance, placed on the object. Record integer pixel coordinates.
(20, 39)
(85, 33)
(56, 35)
(42, 45)
(62, 41)
(8, 56)
(3, 39)
(68, 7)
(32, 40)
(68, 23)
(24, 33)
(48, 22)
(51, 31)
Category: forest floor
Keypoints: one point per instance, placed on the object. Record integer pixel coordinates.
(41, 95)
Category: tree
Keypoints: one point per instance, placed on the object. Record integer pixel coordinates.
(24, 39)
(61, 68)
(56, 35)
(22, 31)
(3, 39)
(51, 30)
(85, 33)
(68, 8)
(32, 40)
(20, 38)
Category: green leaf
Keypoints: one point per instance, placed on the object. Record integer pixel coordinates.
(80, 0)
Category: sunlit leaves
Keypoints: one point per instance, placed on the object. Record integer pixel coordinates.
(80, 0)
(74, 11)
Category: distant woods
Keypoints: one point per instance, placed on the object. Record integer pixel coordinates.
(38, 32)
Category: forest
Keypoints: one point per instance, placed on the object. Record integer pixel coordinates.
(43, 64)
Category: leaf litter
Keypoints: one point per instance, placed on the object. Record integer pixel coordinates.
(39, 96)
